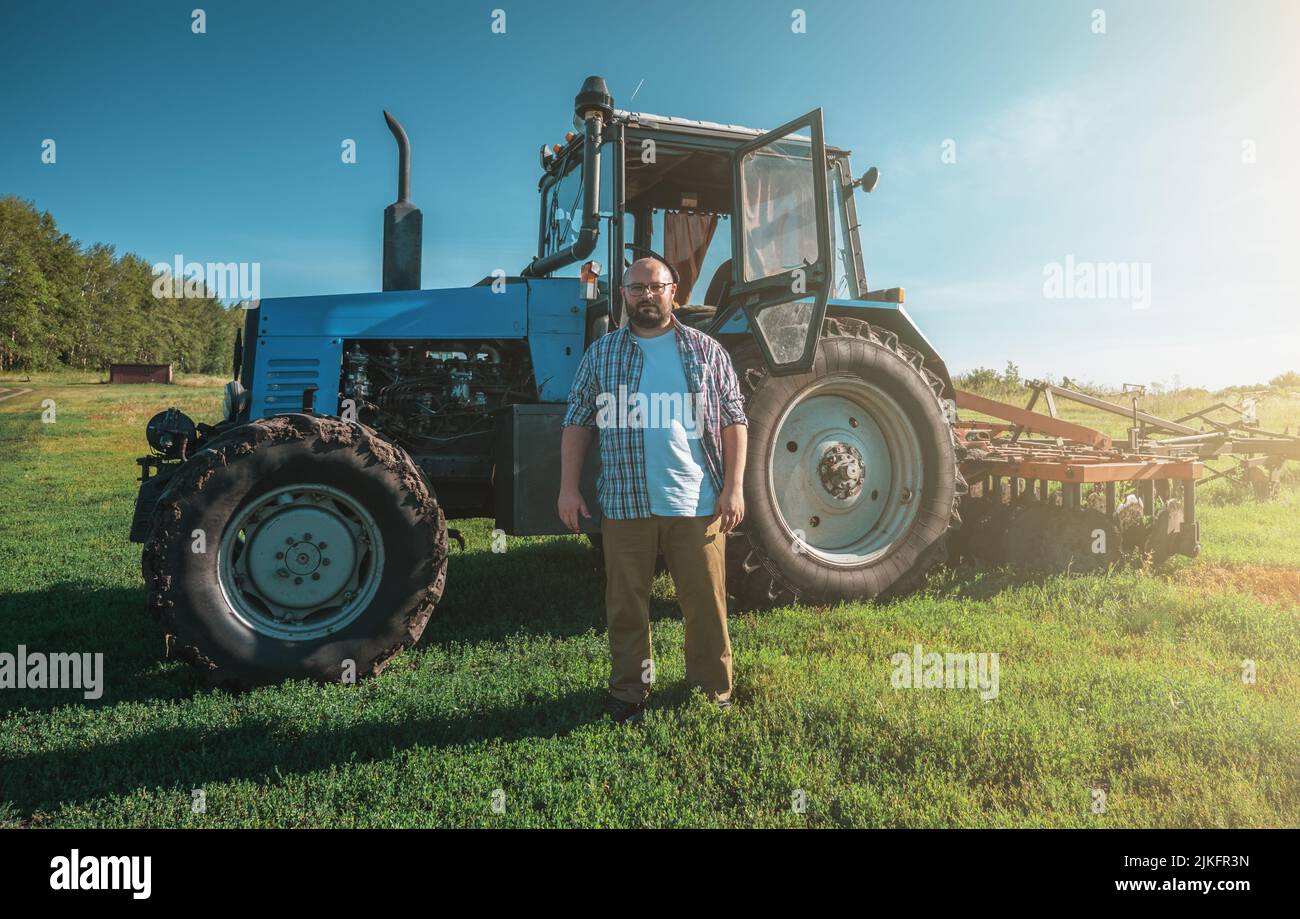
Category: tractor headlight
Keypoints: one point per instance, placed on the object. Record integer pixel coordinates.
(232, 400)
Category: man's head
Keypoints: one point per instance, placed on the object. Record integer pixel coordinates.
(648, 291)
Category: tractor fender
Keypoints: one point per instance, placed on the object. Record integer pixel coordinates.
(889, 316)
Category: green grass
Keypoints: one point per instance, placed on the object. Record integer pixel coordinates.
(1132, 680)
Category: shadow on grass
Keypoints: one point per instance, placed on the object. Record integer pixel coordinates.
(264, 753)
(977, 581)
(71, 618)
(554, 589)
(551, 589)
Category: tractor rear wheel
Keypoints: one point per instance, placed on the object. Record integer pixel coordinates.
(852, 483)
(295, 547)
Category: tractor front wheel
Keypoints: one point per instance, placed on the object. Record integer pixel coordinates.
(295, 547)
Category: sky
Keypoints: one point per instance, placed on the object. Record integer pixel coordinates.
(1017, 141)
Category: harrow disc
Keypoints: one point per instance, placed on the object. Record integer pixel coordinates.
(984, 530)
(1160, 541)
(1061, 540)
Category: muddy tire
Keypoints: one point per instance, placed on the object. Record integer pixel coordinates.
(852, 484)
(325, 554)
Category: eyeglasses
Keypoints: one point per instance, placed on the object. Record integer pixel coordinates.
(637, 290)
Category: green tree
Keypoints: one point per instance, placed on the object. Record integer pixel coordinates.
(25, 298)
(86, 307)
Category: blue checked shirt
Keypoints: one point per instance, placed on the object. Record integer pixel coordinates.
(615, 360)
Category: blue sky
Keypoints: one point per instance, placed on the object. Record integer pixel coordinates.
(1123, 147)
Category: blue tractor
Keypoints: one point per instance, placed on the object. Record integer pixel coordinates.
(305, 533)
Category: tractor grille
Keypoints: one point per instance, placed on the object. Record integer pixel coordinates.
(286, 378)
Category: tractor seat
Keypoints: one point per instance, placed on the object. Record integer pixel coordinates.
(700, 315)
(695, 315)
(718, 285)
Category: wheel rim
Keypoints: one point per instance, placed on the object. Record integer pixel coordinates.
(845, 472)
(300, 562)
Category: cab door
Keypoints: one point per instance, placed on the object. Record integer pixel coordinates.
(781, 242)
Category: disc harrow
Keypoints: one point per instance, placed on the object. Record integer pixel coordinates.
(1072, 502)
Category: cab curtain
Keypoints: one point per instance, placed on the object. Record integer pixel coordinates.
(686, 240)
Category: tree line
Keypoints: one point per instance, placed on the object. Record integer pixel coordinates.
(63, 304)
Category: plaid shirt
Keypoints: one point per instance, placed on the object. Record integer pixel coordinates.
(615, 359)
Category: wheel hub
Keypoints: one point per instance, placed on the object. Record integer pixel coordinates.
(301, 562)
(842, 470)
(304, 558)
(287, 564)
(844, 467)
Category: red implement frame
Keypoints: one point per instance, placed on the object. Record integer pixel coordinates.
(1077, 455)
(1032, 421)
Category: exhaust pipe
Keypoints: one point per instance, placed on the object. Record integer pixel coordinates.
(594, 108)
(403, 222)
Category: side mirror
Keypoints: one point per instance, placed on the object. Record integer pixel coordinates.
(868, 180)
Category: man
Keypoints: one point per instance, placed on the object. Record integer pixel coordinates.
(672, 447)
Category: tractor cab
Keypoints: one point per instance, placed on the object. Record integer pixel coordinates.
(760, 228)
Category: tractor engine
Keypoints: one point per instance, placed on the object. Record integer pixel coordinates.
(436, 399)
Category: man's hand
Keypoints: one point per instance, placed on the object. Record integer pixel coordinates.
(570, 506)
(731, 503)
(573, 450)
(731, 508)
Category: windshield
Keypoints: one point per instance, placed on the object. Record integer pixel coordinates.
(562, 209)
(562, 202)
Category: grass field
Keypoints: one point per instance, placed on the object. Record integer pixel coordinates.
(1131, 683)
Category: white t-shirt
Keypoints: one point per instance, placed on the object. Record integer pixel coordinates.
(676, 475)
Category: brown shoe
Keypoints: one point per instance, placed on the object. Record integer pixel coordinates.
(623, 712)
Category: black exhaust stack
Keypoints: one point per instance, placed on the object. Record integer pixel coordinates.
(403, 222)
(593, 107)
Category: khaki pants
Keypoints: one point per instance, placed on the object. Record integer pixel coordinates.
(695, 551)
